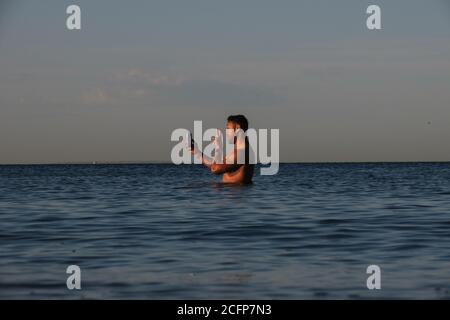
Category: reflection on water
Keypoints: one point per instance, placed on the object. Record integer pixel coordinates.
(165, 231)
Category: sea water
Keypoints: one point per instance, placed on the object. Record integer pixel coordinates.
(160, 231)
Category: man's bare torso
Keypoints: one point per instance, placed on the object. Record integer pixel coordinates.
(242, 175)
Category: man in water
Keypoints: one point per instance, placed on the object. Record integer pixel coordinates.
(232, 171)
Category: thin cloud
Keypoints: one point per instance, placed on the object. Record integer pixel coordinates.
(139, 87)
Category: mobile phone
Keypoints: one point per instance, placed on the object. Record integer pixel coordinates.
(189, 136)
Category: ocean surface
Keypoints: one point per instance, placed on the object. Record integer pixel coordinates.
(174, 232)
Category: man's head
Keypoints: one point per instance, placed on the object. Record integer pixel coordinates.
(237, 122)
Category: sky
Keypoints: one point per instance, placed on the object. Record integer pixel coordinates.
(137, 70)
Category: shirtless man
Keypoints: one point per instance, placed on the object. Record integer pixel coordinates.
(233, 172)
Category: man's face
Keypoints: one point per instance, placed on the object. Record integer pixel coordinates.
(232, 125)
(230, 134)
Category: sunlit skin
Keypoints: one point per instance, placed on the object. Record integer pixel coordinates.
(233, 173)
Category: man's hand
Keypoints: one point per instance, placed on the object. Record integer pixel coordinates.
(197, 153)
(217, 168)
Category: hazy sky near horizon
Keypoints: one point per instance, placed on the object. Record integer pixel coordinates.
(115, 90)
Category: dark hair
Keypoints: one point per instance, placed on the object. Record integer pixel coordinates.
(240, 120)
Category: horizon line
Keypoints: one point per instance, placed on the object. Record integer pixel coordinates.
(168, 162)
